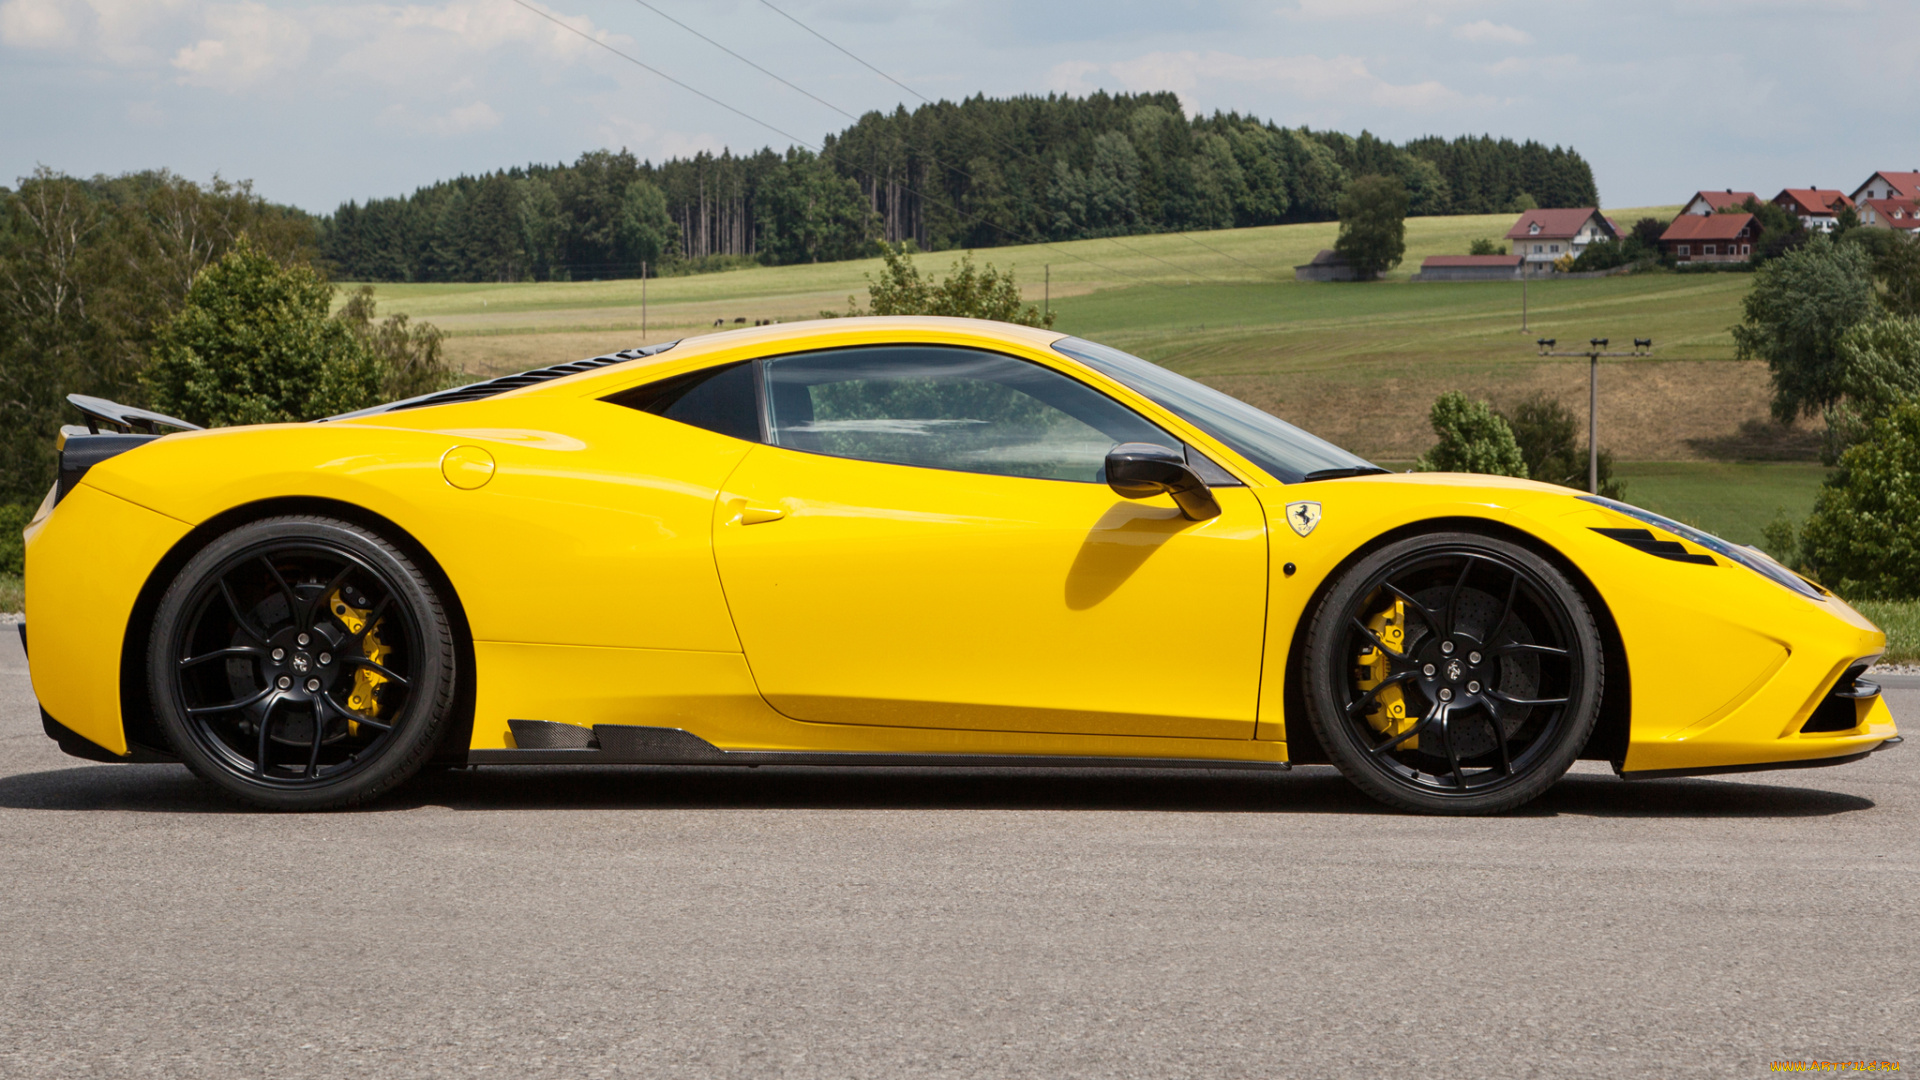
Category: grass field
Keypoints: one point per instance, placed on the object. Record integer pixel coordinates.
(1358, 364)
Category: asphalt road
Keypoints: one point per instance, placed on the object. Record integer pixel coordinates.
(806, 923)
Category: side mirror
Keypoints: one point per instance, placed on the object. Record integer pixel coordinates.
(1138, 470)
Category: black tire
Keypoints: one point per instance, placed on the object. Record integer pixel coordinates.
(1490, 656)
(302, 663)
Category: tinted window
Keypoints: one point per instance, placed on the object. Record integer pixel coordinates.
(948, 408)
(718, 399)
(1287, 454)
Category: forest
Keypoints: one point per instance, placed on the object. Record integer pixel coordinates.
(973, 174)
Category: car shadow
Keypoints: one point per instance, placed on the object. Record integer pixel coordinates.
(1306, 790)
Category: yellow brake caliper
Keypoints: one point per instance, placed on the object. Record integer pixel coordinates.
(364, 700)
(1389, 714)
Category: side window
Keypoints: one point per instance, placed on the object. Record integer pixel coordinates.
(718, 399)
(942, 407)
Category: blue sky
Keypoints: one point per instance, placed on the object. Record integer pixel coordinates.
(321, 102)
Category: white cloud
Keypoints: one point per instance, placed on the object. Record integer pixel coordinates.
(1070, 76)
(36, 24)
(1487, 31)
(1348, 10)
(1311, 78)
(460, 120)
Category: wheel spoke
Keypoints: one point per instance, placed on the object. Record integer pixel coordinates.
(265, 720)
(1372, 697)
(1525, 646)
(222, 654)
(1511, 700)
(307, 612)
(355, 717)
(1500, 737)
(1374, 638)
(286, 590)
(230, 706)
(1453, 755)
(380, 669)
(1453, 598)
(1420, 609)
(1506, 610)
(1416, 729)
(239, 615)
(319, 734)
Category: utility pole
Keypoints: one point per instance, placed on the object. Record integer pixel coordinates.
(1046, 294)
(1523, 295)
(643, 301)
(1596, 348)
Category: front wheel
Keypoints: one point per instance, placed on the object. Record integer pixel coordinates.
(1453, 673)
(302, 663)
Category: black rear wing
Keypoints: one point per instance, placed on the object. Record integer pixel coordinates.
(83, 448)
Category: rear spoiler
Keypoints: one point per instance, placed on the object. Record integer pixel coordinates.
(81, 448)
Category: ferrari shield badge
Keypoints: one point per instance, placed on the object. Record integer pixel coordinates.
(1303, 516)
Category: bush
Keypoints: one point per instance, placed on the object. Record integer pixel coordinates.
(409, 356)
(966, 292)
(1860, 539)
(1485, 246)
(1879, 361)
(1548, 435)
(254, 345)
(13, 546)
(1473, 439)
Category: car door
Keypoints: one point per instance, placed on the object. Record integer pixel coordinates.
(926, 539)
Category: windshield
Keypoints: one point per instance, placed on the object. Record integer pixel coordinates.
(1286, 453)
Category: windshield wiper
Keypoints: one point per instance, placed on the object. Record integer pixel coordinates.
(1342, 473)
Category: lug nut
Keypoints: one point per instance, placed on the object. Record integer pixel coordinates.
(1445, 694)
(313, 684)
(279, 655)
(1473, 658)
(285, 682)
(1446, 647)
(1428, 670)
(302, 639)
(326, 658)
(1473, 688)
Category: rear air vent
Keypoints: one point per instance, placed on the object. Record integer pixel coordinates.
(487, 389)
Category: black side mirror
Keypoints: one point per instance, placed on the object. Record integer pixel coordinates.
(1138, 470)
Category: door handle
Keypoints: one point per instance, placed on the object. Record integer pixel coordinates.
(745, 513)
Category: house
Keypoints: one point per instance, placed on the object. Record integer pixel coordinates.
(1901, 214)
(1542, 236)
(1712, 202)
(1326, 266)
(1469, 268)
(1888, 185)
(1710, 237)
(1817, 208)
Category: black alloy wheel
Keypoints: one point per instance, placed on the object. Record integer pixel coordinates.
(302, 663)
(1453, 673)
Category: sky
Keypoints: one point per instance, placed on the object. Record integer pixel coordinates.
(318, 103)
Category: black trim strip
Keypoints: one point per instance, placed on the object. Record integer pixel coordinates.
(621, 744)
(1716, 770)
(1644, 540)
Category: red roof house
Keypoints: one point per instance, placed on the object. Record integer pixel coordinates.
(1817, 208)
(1712, 202)
(1899, 214)
(1543, 236)
(1710, 237)
(1888, 185)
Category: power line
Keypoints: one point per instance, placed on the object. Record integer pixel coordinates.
(577, 32)
(990, 135)
(855, 119)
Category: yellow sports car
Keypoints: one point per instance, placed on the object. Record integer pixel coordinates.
(893, 541)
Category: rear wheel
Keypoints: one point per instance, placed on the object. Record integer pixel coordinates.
(1453, 673)
(302, 663)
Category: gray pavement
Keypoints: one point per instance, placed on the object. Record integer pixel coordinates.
(808, 923)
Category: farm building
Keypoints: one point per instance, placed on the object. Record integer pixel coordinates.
(1326, 266)
(1469, 268)
(1542, 236)
(1710, 237)
(1817, 208)
(1712, 202)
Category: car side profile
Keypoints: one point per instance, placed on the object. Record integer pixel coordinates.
(888, 541)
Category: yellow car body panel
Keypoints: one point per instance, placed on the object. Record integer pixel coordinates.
(615, 567)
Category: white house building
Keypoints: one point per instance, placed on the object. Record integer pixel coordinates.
(1542, 236)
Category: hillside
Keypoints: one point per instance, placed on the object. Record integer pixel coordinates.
(1356, 363)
